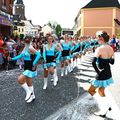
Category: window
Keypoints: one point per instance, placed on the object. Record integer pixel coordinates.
(4, 4)
(22, 30)
(69, 32)
(19, 30)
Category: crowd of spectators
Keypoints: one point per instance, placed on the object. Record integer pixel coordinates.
(11, 46)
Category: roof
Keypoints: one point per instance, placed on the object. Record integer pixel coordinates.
(102, 3)
(27, 23)
(19, 2)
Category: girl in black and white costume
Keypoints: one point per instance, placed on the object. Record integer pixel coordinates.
(31, 57)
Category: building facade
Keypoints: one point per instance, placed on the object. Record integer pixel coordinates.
(6, 17)
(27, 28)
(46, 29)
(99, 15)
(22, 26)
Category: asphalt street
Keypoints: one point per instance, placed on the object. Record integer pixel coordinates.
(13, 106)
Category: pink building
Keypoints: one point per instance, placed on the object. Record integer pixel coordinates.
(99, 15)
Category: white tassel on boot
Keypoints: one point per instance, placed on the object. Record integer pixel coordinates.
(27, 90)
(45, 83)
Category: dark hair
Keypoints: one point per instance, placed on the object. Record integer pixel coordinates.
(76, 35)
(27, 37)
(105, 36)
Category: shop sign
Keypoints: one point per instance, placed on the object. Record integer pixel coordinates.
(5, 21)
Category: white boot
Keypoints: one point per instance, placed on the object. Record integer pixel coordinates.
(45, 83)
(55, 78)
(62, 71)
(74, 64)
(20, 67)
(66, 70)
(103, 105)
(79, 61)
(52, 78)
(32, 90)
(32, 98)
(68, 67)
(27, 90)
(71, 67)
(115, 113)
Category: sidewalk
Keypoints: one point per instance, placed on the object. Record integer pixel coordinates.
(84, 106)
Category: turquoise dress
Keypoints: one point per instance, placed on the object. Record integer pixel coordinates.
(51, 56)
(29, 61)
(77, 48)
(66, 50)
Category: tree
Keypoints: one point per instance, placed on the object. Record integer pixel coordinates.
(58, 30)
(50, 24)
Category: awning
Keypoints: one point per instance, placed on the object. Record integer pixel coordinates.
(5, 21)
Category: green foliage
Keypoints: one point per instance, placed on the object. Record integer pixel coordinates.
(50, 24)
(56, 27)
(58, 30)
(118, 34)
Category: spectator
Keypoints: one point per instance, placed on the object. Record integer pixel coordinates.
(1, 50)
(11, 39)
(113, 42)
(6, 54)
(117, 44)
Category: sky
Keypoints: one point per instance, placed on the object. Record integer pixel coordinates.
(61, 11)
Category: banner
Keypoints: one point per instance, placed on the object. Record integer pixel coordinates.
(5, 21)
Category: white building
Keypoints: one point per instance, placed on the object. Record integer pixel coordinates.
(27, 29)
(46, 29)
(30, 29)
